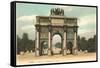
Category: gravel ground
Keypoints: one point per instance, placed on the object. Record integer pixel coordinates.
(30, 58)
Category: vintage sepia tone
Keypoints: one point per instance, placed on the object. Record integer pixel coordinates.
(55, 33)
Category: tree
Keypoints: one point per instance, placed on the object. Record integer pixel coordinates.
(83, 44)
(58, 45)
(92, 44)
(70, 46)
(78, 43)
(31, 45)
(45, 45)
(18, 44)
(89, 44)
(25, 44)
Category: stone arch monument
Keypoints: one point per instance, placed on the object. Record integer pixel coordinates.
(56, 23)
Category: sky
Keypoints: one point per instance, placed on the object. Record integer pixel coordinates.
(26, 18)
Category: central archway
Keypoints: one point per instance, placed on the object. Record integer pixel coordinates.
(56, 44)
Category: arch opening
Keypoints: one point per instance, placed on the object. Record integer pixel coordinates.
(70, 47)
(56, 44)
(44, 48)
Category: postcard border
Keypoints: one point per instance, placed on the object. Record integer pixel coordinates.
(13, 33)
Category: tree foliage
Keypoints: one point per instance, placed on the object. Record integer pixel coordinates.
(45, 45)
(89, 44)
(25, 44)
(58, 45)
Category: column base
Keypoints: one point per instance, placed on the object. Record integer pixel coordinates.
(37, 53)
(49, 52)
(75, 51)
(64, 52)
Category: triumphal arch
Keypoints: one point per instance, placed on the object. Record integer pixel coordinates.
(56, 23)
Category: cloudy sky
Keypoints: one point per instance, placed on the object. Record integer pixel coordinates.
(26, 18)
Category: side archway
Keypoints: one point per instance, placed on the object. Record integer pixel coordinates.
(44, 48)
(70, 47)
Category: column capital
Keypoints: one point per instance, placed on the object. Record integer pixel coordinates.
(65, 28)
(37, 27)
(49, 28)
(75, 28)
